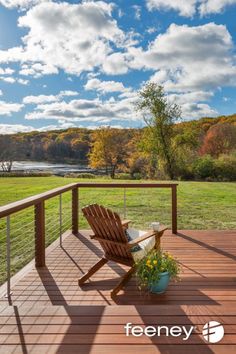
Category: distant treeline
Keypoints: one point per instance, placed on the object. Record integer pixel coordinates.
(71, 145)
(198, 145)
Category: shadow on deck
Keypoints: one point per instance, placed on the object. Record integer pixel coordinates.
(53, 313)
(208, 261)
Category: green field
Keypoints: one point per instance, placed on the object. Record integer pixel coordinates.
(201, 205)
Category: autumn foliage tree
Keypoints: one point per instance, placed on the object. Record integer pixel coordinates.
(137, 159)
(108, 150)
(160, 116)
(219, 139)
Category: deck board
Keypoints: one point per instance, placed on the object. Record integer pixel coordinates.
(52, 314)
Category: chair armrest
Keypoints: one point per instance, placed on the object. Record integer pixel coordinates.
(147, 235)
(125, 223)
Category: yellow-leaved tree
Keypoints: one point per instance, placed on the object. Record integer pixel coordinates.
(108, 149)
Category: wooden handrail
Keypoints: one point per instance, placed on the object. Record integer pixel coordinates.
(14, 207)
(11, 208)
(127, 185)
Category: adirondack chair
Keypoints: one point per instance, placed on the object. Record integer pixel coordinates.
(111, 232)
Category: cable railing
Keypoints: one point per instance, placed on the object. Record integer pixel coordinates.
(29, 226)
(140, 205)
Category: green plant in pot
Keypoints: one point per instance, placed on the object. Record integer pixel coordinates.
(155, 270)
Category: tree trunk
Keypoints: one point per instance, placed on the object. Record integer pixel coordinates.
(153, 166)
(9, 166)
(113, 169)
(167, 157)
(170, 170)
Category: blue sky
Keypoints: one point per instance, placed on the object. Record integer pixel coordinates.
(81, 63)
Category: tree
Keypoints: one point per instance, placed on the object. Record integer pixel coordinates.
(108, 149)
(160, 116)
(7, 153)
(220, 139)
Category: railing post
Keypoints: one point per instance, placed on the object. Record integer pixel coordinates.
(124, 203)
(8, 243)
(75, 211)
(60, 218)
(39, 235)
(174, 208)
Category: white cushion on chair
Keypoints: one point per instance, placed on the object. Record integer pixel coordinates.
(145, 245)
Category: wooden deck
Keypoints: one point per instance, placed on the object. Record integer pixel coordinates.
(51, 314)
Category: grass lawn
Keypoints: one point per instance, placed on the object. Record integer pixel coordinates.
(201, 205)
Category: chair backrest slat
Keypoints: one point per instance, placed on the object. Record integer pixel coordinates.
(92, 215)
(107, 225)
(112, 222)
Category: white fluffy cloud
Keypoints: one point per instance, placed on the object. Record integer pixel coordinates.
(188, 61)
(48, 98)
(214, 6)
(8, 79)
(22, 4)
(37, 70)
(137, 11)
(184, 7)
(6, 71)
(92, 111)
(105, 86)
(39, 99)
(115, 64)
(6, 109)
(12, 80)
(196, 110)
(71, 37)
(193, 104)
(188, 8)
(189, 58)
(15, 128)
(22, 81)
(110, 111)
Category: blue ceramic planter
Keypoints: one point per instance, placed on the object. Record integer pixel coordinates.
(161, 285)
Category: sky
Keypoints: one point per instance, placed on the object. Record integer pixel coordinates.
(82, 63)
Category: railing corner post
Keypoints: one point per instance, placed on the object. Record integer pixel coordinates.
(75, 211)
(39, 234)
(174, 208)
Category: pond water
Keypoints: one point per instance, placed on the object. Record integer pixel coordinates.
(60, 168)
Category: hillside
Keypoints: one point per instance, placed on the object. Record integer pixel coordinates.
(73, 145)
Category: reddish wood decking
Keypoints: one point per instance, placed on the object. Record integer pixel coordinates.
(51, 314)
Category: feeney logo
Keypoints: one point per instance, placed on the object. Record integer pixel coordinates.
(150, 331)
(213, 332)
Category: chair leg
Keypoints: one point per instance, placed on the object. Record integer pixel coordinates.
(123, 281)
(92, 270)
(157, 243)
(158, 240)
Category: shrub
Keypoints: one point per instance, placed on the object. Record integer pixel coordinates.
(123, 176)
(185, 173)
(80, 175)
(25, 174)
(221, 169)
(225, 167)
(204, 167)
(136, 176)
